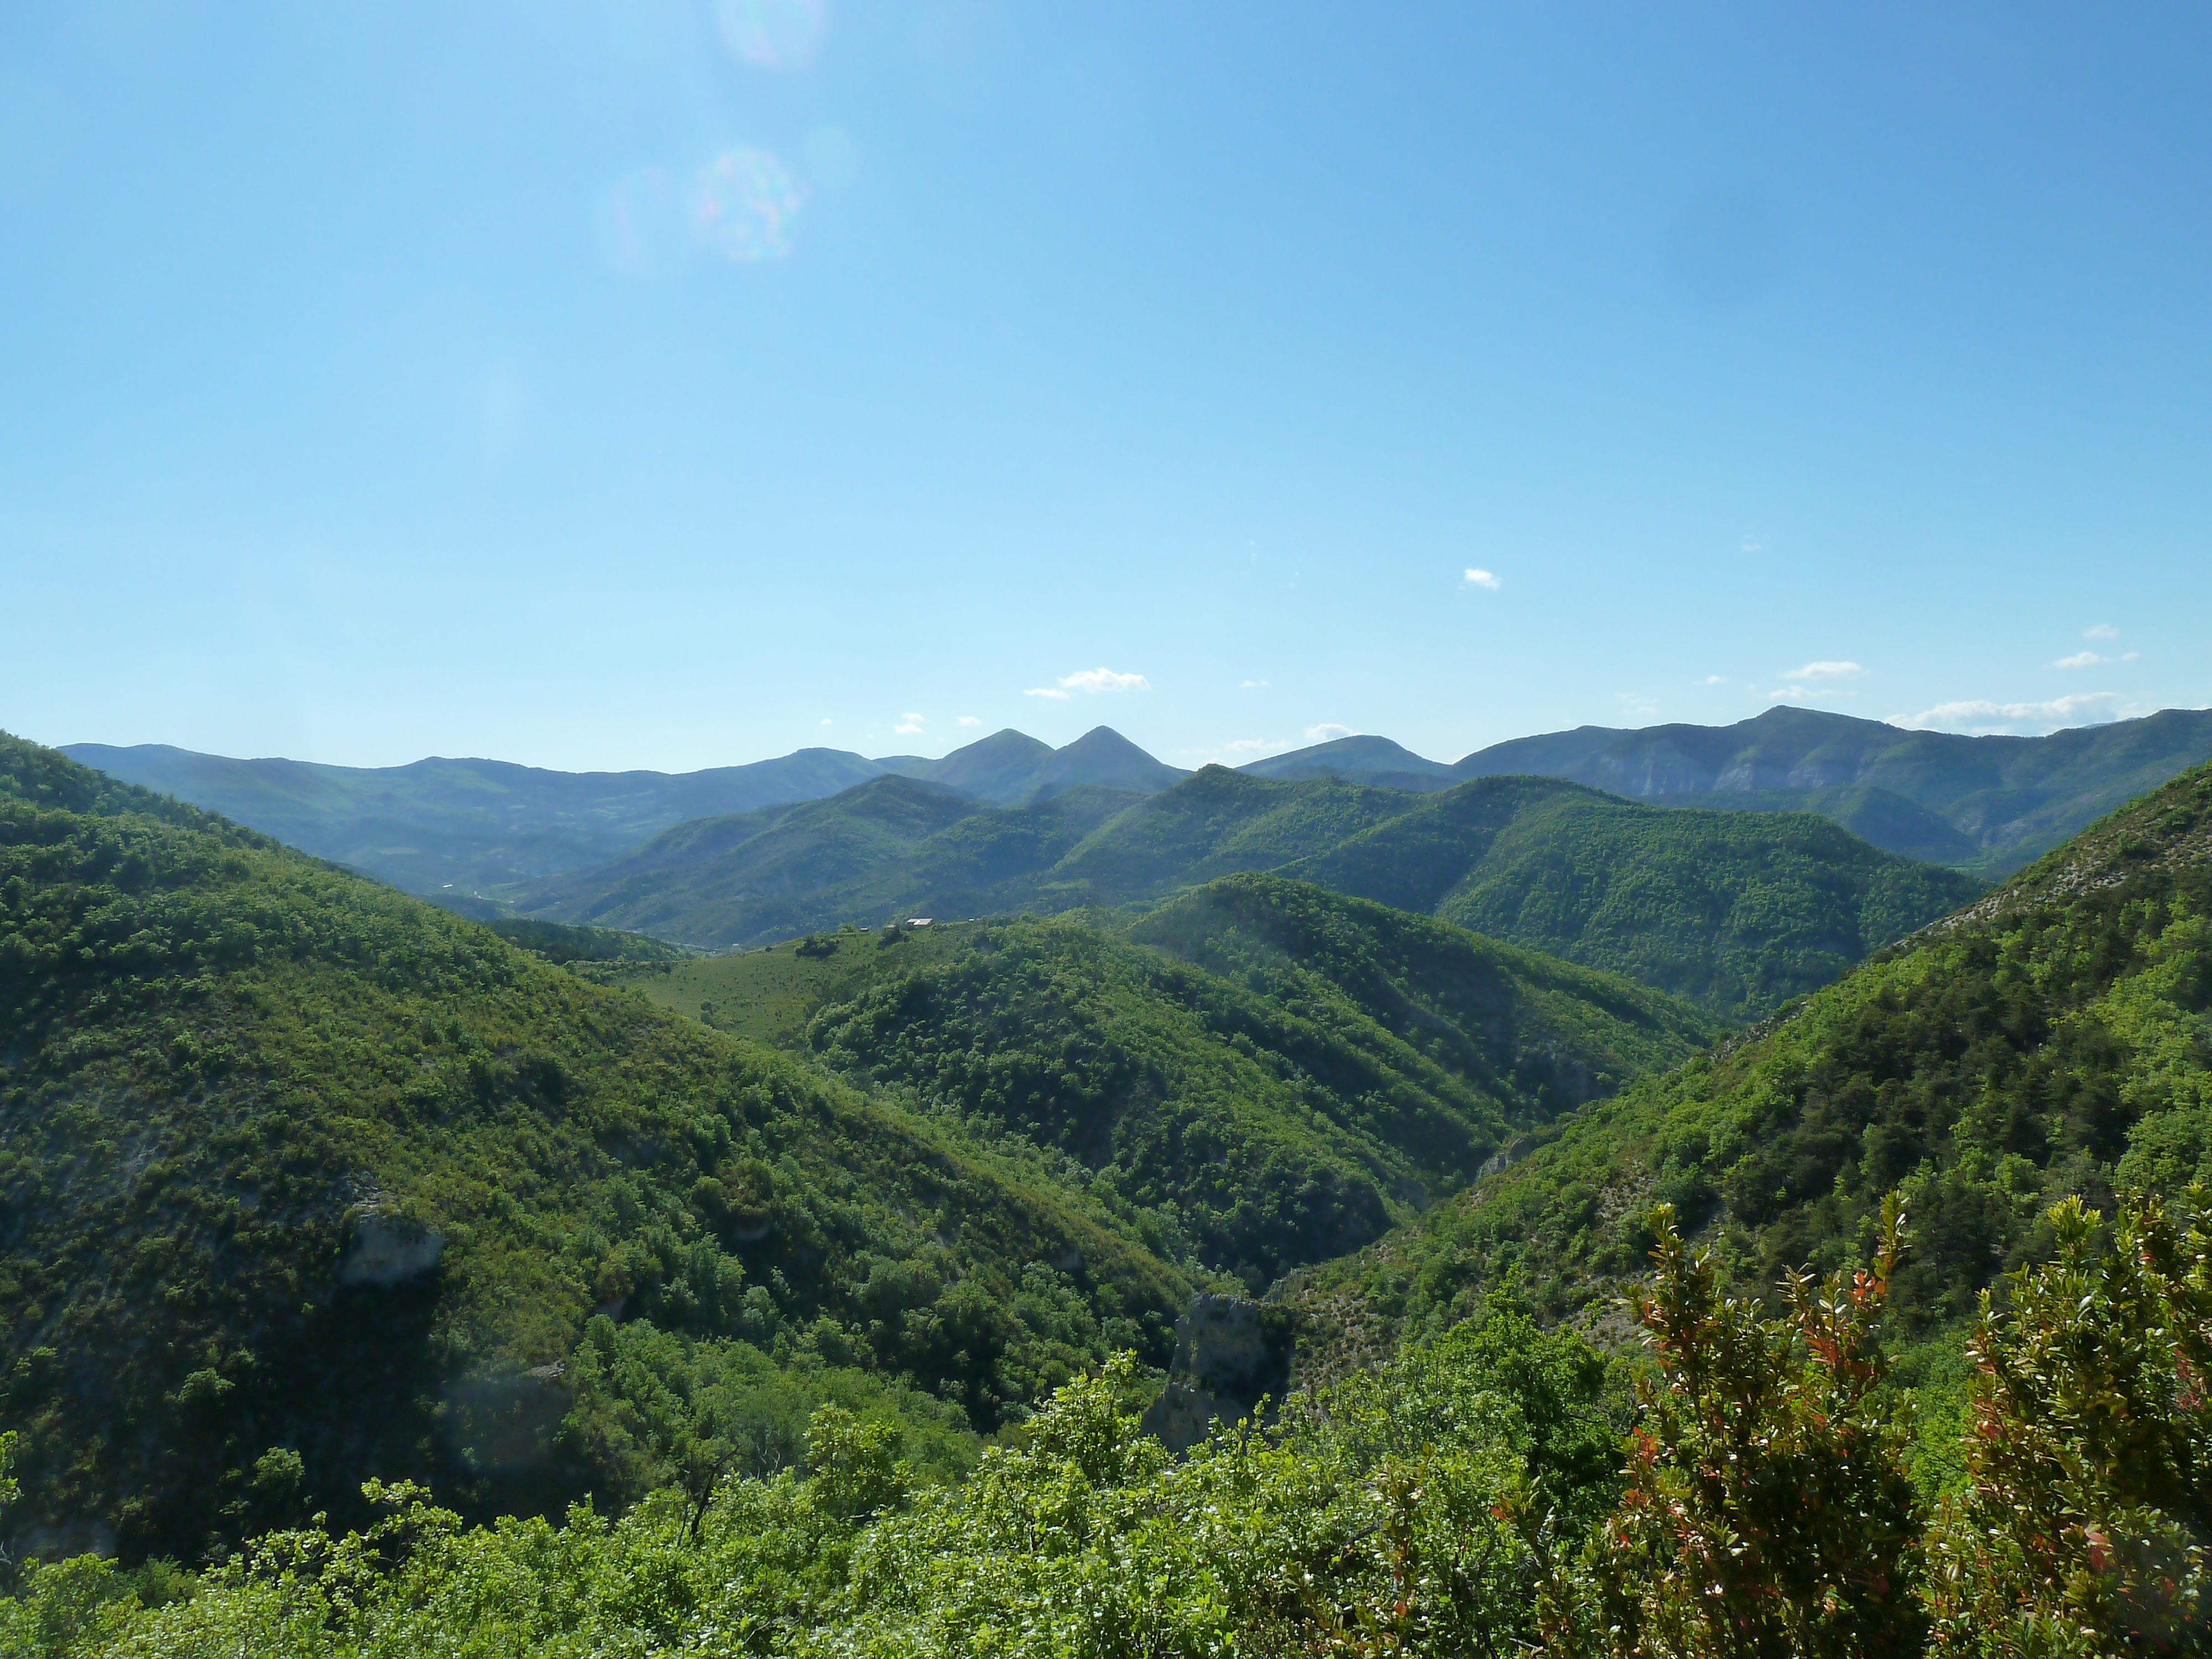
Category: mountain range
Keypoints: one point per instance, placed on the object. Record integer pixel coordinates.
(1736, 911)
(304, 1180)
(438, 826)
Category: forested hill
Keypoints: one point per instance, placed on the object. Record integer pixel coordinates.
(1736, 911)
(1283, 1075)
(2054, 1038)
(1989, 803)
(302, 1180)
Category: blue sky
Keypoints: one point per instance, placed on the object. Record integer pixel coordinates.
(658, 384)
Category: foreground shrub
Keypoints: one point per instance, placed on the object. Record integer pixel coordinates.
(2091, 1455)
(1767, 1510)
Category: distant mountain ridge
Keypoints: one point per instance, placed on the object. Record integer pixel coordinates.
(1736, 912)
(437, 825)
(2013, 798)
(1985, 804)
(441, 827)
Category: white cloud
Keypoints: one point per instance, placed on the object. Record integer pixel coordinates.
(1092, 680)
(826, 720)
(904, 730)
(1253, 745)
(1329, 732)
(1823, 670)
(969, 720)
(911, 715)
(1786, 693)
(1481, 579)
(2081, 659)
(1253, 685)
(1713, 679)
(2080, 707)
(1751, 545)
(2101, 631)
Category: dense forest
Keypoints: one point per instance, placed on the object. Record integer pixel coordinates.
(373, 1286)
(1736, 911)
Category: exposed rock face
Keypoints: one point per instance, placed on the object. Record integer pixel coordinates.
(1228, 1353)
(388, 1250)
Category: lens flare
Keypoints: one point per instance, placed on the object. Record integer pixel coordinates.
(742, 203)
(642, 226)
(777, 34)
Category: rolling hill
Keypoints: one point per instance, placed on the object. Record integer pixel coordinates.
(2053, 1038)
(2012, 798)
(303, 1179)
(1739, 912)
(462, 826)
(466, 823)
(1264, 1073)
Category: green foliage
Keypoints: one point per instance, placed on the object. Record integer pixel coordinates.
(1280, 1103)
(1768, 1514)
(446, 829)
(2010, 798)
(752, 877)
(1412, 1512)
(228, 1070)
(651, 1406)
(1736, 911)
(2057, 1039)
(2083, 1531)
(556, 943)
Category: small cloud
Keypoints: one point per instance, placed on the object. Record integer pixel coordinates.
(1253, 685)
(2130, 656)
(969, 720)
(2101, 631)
(1251, 745)
(1713, 679)
(1329, 732)
(826, 720)
(1980, 717)
(1823, 670)
(1092, 681)
(904, 730)
(1752, 544)
(2081, 659)
(1785, 693)
(1481, 579)
(916, 719)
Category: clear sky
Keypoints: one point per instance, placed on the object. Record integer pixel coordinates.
(609, 383)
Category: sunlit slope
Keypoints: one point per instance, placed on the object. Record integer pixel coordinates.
(2008, 800)
(717, 882)
(2056, 1037)
(1738, 912)
(1284, 1073)
(238, 1088)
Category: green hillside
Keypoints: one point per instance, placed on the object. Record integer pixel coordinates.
(2008, 799)
(1284, 1074)
(716, 882)
(444, 825)
(2055, 1038)
(1738, 912)
(303, 1179)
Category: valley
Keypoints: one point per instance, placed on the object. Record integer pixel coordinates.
(306, 1182)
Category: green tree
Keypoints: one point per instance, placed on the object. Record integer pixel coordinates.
(2091, 1457)
(1768, 1514)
